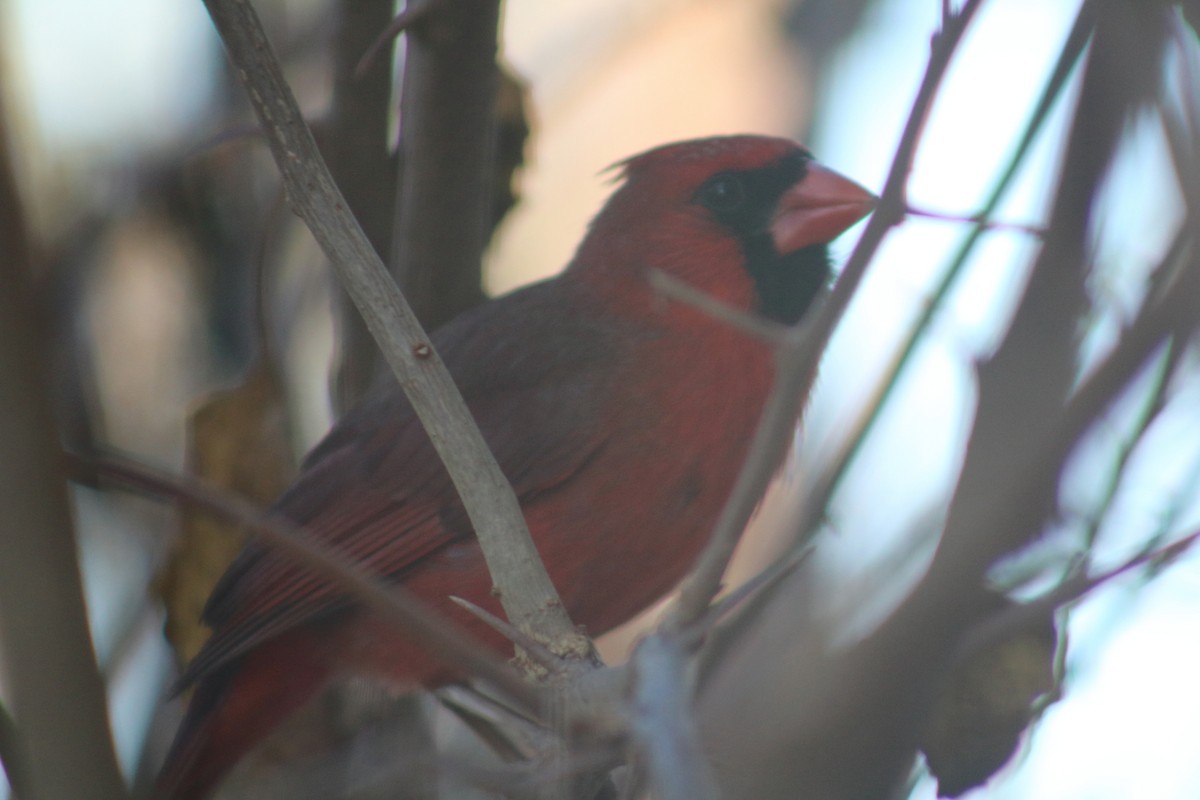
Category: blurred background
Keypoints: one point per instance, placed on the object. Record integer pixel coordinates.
(126, 128)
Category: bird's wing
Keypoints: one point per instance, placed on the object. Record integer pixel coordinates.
(534, 369)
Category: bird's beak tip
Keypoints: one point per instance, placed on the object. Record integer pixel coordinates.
(818, 209)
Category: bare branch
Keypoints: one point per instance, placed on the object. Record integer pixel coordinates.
(392, 603)
(1023, 386)
(822, 489)
(354, 141)
(532, 647)
(55, 688)
(525, 589)
(412, 15)
(982, 220)
(447, 146)
(852, 719)
(803, 346)
(765, 330)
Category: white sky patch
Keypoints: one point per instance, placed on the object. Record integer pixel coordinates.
(90, 87)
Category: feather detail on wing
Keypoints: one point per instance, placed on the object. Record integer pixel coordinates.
(376, 491)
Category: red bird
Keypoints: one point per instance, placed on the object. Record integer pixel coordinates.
(621, 419)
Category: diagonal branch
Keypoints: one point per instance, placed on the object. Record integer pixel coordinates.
(407, 613)
(803, 346)
(524, 587)
(823, 487)
(1014, 617)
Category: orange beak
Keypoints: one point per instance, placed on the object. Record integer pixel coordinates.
(818, 209)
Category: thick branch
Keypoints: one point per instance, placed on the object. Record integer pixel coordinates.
(524, 587)
(355, 145)
(822, 488)
(55, 688)
(1023, 387)
(847, 723)
(447, 139)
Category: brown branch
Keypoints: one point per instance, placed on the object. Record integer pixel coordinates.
(447, 147)
(1028, 421)
(354, 140)
(410, 17)
(1023, 387)
(848, 726)
(803, 346)
(441, 636)
(525, 589)
(54, 686)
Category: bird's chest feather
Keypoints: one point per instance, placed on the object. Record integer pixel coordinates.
(681, 418)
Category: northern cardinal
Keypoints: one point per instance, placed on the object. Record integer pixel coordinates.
(620, 417)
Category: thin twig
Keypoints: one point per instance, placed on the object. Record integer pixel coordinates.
(1023, 385)
(413, 14)
(804, 344)
(1184, 495)
(767, 331)
(532, 647)
(822, 489)
(765, 580)
(981, 219)
(392, 603)
(1016, 617)
(528, 596)
(1148, 414)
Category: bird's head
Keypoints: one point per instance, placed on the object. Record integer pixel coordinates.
(746, 219)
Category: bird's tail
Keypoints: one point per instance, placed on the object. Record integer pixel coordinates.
(230, 714)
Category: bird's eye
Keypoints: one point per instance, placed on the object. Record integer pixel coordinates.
(723, 193)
